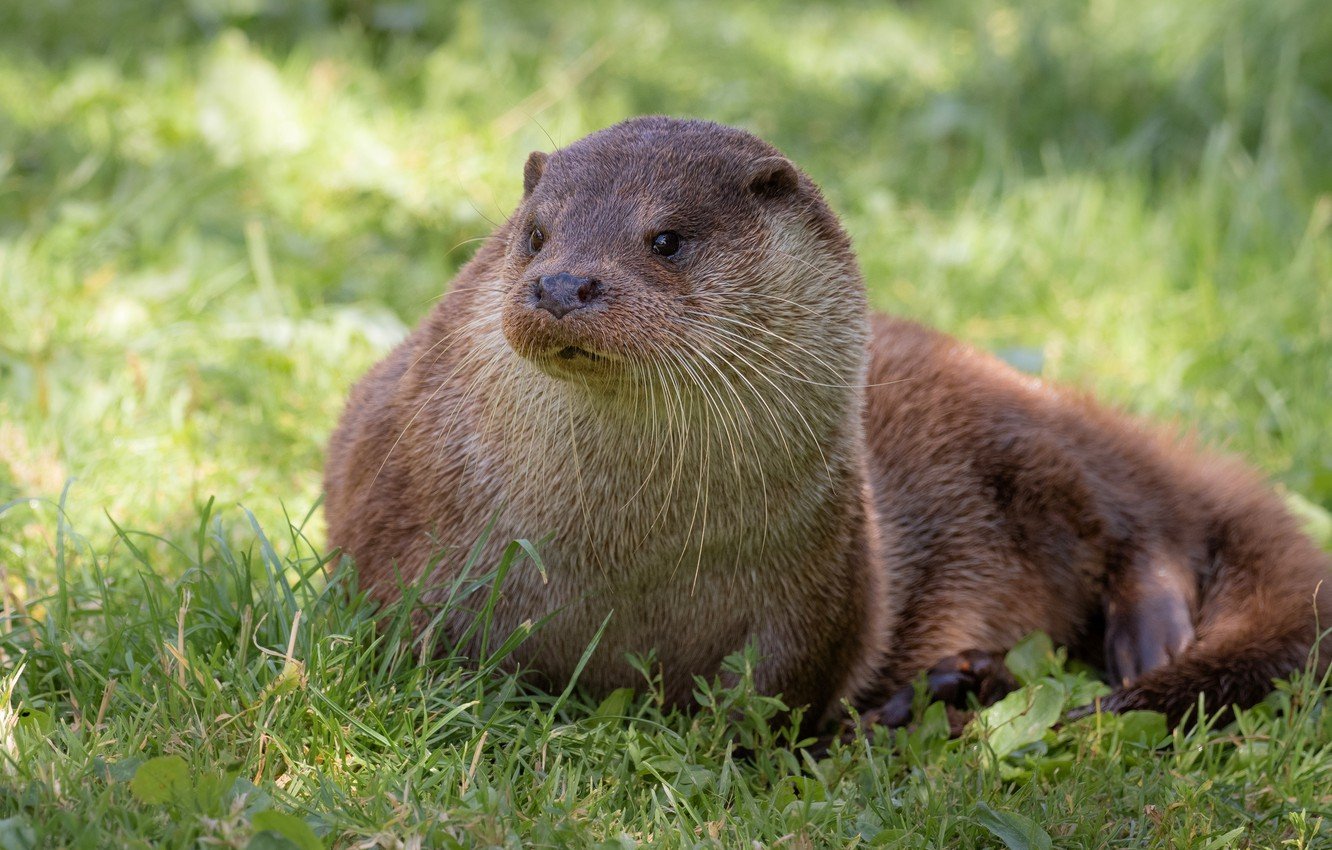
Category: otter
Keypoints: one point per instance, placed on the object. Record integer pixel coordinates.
(663, 366)
(609, 375)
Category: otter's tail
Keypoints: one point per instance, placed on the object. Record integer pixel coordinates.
(1265, 613)
(1226, 673)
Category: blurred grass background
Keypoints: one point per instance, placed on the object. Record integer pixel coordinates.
(215, 215)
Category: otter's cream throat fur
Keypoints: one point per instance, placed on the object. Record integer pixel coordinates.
(662, 366)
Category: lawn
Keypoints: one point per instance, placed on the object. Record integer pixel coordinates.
(214, 216)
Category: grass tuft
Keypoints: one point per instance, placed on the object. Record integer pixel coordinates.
(167, 694)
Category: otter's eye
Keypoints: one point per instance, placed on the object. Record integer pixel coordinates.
(665, 244)
(536, 239)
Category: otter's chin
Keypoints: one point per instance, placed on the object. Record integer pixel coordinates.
(566, 359)
(568, 349)
(574, 363)
(574, 352)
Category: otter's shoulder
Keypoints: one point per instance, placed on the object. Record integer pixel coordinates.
(895, 341)
(911, 357)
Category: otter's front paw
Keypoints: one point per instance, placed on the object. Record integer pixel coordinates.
(972, 673)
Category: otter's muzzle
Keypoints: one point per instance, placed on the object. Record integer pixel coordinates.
(563, 293)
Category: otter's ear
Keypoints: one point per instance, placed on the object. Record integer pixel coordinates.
(536, 164)
(772, 177)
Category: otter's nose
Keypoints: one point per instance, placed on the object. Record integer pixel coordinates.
(562, 293)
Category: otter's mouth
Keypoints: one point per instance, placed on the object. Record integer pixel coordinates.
(569, 352)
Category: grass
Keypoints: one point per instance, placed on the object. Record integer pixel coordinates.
(215, 216)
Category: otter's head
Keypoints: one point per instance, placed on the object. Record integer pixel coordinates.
(665, 249)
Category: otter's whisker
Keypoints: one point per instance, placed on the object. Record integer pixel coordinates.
(405, 428)
(754, 462)
(800, 414)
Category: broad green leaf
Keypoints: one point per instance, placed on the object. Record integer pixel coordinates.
(1018, 832)
(615, 704)
(161, 779)
(1084, 688)
(35, 722)
(1142, 728)
(32, 730)
(1031, 658)
(290, 827)
(1023, 716)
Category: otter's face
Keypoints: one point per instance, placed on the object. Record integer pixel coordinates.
(655, 240)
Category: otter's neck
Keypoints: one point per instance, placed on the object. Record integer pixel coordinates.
(645, 466)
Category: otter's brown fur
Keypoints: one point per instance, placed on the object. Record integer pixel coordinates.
(1012, 505)
(718, 447)
(687, 484)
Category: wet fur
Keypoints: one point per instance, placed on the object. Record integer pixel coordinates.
(760, 462)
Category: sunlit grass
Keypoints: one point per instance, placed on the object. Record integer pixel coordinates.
(214, 217)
